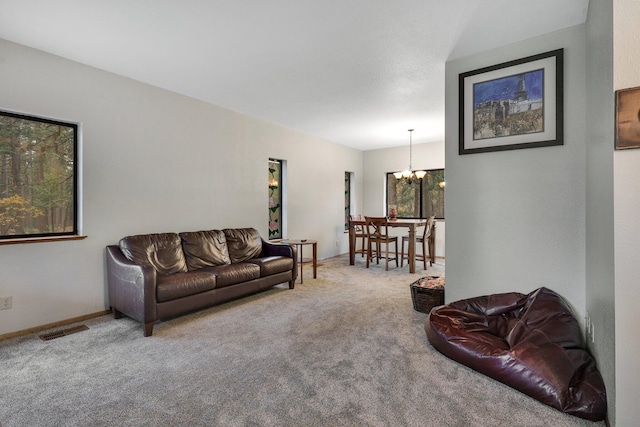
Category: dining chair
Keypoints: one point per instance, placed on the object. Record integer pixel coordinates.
(360, 232)
(424, 241)
(378, 234)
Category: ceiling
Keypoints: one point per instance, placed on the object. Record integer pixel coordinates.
(355, 72)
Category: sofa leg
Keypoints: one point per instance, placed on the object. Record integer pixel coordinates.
(292, 284)
(148, 329)
(116, 313)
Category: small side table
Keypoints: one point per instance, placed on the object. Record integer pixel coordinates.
(300, 244)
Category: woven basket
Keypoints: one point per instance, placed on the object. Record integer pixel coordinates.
(425, 298)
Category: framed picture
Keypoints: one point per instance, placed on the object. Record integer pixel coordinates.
(628, 118)
(513, 105)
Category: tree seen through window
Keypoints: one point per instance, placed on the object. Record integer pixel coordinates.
(38, 181)
(418, 198)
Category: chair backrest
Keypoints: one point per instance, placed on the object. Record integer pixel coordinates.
(377, 227)
(357, 217)
(427, 229)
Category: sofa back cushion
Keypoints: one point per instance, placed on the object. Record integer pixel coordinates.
(243, 243)
(161, 251)
(205, 249)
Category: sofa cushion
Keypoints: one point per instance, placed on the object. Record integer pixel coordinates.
(205, 249)
(227, 275)
(184, 284)
(243, 243)
(161, 251)
(272, 264)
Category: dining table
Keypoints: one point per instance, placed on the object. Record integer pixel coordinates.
(411, 224)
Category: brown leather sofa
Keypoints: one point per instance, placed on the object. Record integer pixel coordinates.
(158, 276)
(531, 342)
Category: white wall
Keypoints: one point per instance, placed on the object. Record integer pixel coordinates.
(516, 219)
(600, 259)
(627, 226)
(155, 161)
(379, 162)
(556, 229)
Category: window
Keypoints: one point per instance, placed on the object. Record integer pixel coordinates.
(347, 199)
(420, 198)
(38, 177)
(275, 199)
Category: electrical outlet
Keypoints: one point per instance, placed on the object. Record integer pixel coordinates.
(588, 325)
(5, 303)
(590, 336)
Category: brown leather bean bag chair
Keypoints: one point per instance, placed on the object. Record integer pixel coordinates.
(529, 342)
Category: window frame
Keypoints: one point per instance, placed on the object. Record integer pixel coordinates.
(75, 233)
(280, 208)
(348, 202)
(421, 181)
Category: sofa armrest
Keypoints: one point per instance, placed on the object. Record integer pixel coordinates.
(132, 287)
(282, 249)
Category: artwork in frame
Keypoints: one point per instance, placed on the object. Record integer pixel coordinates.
(628, 118)
(513, 105)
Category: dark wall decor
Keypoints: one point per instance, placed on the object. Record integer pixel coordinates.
(628, 118)
(513, 105)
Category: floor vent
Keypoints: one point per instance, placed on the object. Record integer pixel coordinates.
(63, 333)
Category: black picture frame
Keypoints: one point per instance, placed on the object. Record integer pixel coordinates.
(513, 105)
(29, 133)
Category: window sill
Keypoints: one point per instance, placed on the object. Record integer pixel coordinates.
(40, 239)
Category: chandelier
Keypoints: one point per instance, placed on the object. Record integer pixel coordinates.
(410, 174)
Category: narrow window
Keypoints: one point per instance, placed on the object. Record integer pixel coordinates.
(275, 199)
(347, 199)
(433, 194)
(38, 177)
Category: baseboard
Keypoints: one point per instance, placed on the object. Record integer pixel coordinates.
(53, 325)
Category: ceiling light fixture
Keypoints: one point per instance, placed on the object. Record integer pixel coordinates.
(410, 174)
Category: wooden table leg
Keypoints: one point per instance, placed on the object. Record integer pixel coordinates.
(301, 264)
(315, 260)
(352, 245)
(432, 243)
(412, 249)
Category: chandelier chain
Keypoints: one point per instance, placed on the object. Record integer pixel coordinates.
(410, 149)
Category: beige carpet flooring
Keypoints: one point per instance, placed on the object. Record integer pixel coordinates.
(345, 349)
